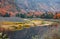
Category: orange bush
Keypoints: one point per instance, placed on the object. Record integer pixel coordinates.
(57, 16)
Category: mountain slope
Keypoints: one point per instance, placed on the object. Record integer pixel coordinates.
(48, 5)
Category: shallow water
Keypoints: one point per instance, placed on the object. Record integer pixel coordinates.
(27, 33)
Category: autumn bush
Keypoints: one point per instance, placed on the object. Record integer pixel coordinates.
(56, 16)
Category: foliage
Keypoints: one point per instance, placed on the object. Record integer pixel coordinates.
(57, 16)
(3, 36)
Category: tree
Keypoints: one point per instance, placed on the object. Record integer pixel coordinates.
(22, 15)
(6, 15)
(0, 15)
(17, 15)
(50, 15)
(47, 15)
(42, 16)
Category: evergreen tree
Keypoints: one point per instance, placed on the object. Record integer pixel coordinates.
(6, 15)
(18, 15)
(22, 15)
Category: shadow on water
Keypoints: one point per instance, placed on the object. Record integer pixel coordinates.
(28, 33)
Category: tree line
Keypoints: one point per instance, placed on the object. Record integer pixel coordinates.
(32, 15)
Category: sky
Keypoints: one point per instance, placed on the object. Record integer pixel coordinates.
(47, 5)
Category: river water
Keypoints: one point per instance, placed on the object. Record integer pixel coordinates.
(29, 33)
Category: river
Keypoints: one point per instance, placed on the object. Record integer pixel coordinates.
(29, 33)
